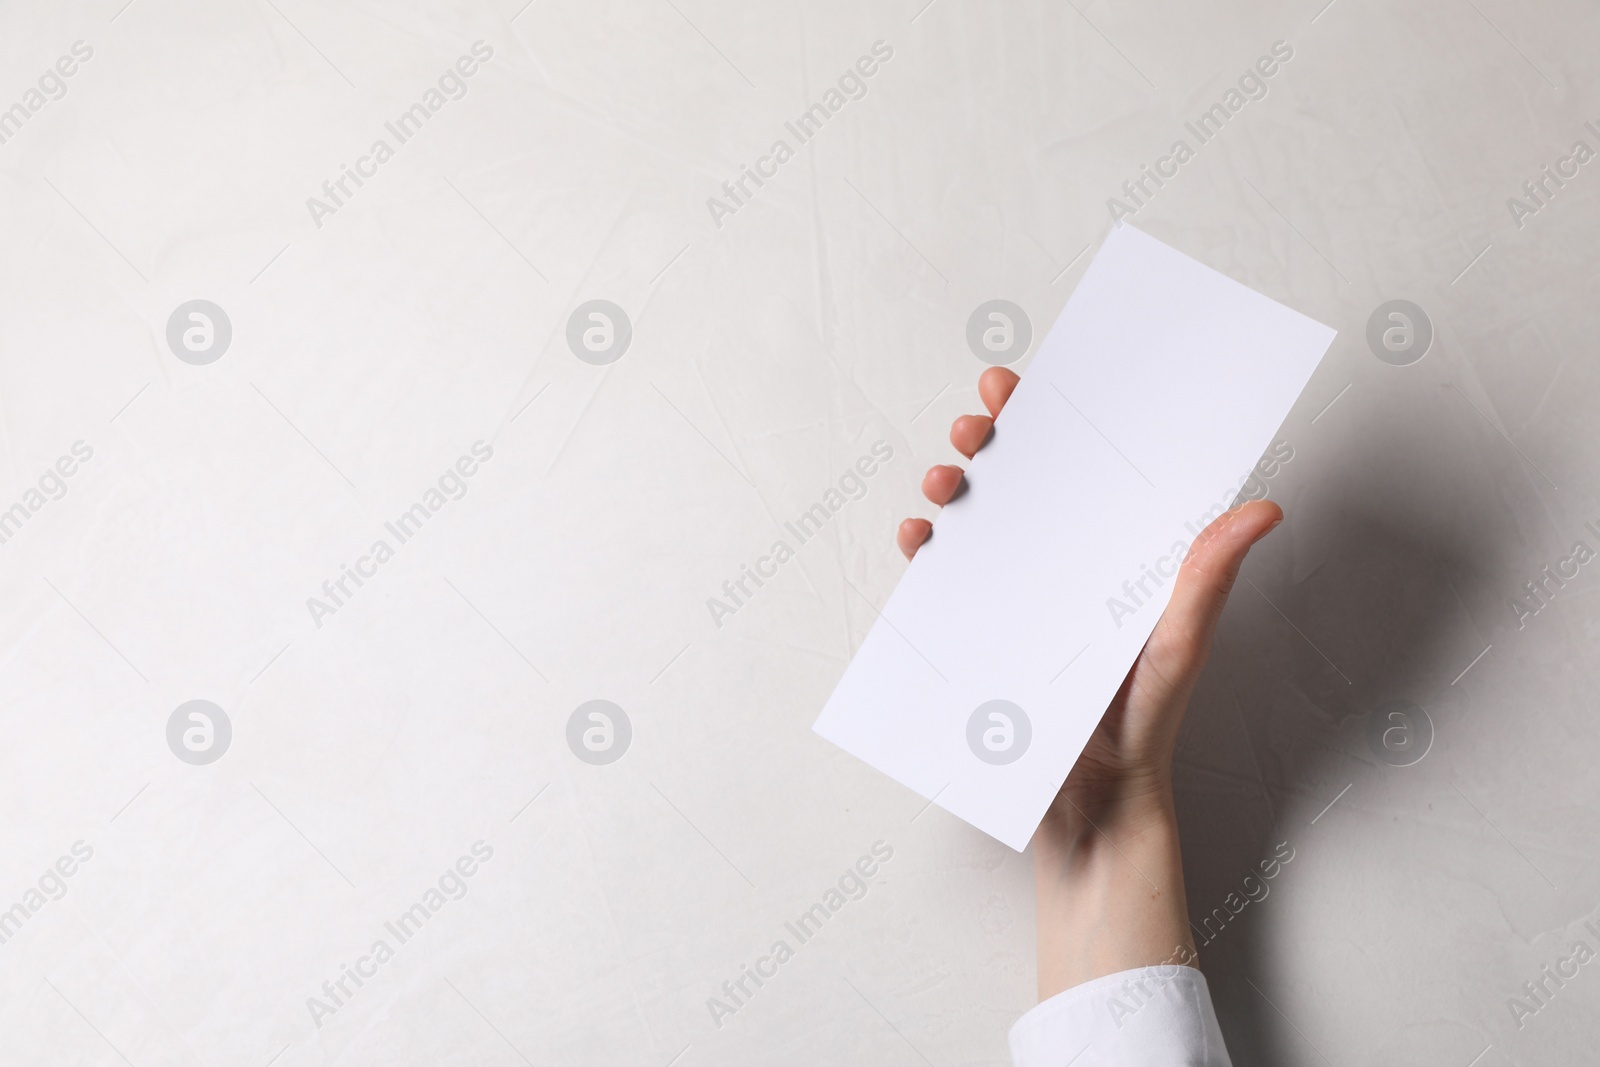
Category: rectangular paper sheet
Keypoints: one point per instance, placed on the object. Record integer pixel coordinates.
(1142, 414)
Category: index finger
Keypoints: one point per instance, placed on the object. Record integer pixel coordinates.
(995, 386)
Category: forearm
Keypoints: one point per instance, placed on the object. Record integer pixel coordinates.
(1109, 879)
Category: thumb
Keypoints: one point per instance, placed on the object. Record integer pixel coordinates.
(1182, 639)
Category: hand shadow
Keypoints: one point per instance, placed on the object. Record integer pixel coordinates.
(1363, 602)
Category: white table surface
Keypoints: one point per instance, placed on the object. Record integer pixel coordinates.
(373, 345)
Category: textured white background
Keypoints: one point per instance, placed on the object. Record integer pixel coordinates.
(768, 355)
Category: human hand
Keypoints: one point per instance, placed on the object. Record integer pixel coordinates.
(1096, 912)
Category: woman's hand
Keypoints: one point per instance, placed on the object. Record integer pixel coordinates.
(1108, 872)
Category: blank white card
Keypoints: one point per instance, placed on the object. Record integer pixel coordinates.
(1142, 414)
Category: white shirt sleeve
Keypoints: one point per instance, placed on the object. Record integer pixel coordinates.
(1146, 1017)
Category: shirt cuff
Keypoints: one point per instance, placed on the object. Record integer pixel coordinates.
(1146, 1017)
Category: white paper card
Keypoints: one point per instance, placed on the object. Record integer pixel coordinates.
(1142, 414)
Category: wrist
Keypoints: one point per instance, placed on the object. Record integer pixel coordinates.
(1109, 883)
(1132, 804)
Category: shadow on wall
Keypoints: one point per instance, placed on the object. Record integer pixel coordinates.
(1391, 563)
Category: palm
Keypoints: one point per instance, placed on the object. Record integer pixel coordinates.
(1129, 754)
